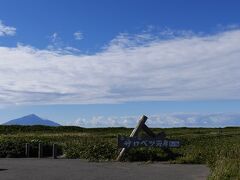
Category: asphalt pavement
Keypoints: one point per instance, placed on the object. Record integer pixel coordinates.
(75, 169)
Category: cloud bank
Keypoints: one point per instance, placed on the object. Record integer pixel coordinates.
(141, 67)
(164, 120)
(6, 30)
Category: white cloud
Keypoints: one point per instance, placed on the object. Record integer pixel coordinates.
(102, 121)
(59, 47)
(163, 120)
(55, 42)
(54, 37)
(78, 35)
(141, 67)
(6, 30)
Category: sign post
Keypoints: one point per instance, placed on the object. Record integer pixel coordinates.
(27, 148)
(134, 133)
(154, 140)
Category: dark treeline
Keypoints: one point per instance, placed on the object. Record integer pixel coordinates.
(12, 129)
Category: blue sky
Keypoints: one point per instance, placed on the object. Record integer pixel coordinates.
(105, 63)
(102, 21)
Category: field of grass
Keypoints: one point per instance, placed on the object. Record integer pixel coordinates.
(219, 148)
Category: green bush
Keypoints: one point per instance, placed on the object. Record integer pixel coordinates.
(150, 154)
(226, 169)
(101, 151)
(93, 152)
(11, 149)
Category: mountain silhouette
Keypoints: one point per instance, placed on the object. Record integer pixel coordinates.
(30, 120)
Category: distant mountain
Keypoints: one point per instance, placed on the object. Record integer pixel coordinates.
(30, 120)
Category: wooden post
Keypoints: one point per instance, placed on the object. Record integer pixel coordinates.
(54, 151)
(27, 150)
(133, 134)
(39, 150)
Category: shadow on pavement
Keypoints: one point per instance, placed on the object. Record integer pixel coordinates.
(3, 169)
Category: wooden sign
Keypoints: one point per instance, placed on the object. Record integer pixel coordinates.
(154, 140)
(132, 142)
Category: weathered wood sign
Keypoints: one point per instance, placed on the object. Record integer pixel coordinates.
(154, 140)
(131, 142)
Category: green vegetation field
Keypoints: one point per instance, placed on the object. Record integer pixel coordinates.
(219, 148)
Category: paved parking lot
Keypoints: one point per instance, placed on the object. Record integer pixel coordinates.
(74, 169)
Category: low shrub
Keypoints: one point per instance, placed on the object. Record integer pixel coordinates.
(93, 152)
(226, 169)
(150, 154)
(11, 149)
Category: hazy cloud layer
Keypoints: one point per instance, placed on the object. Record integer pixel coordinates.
(6, 30)
(163, 120)
(131, 68)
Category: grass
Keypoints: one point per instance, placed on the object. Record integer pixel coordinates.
(219, 148)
